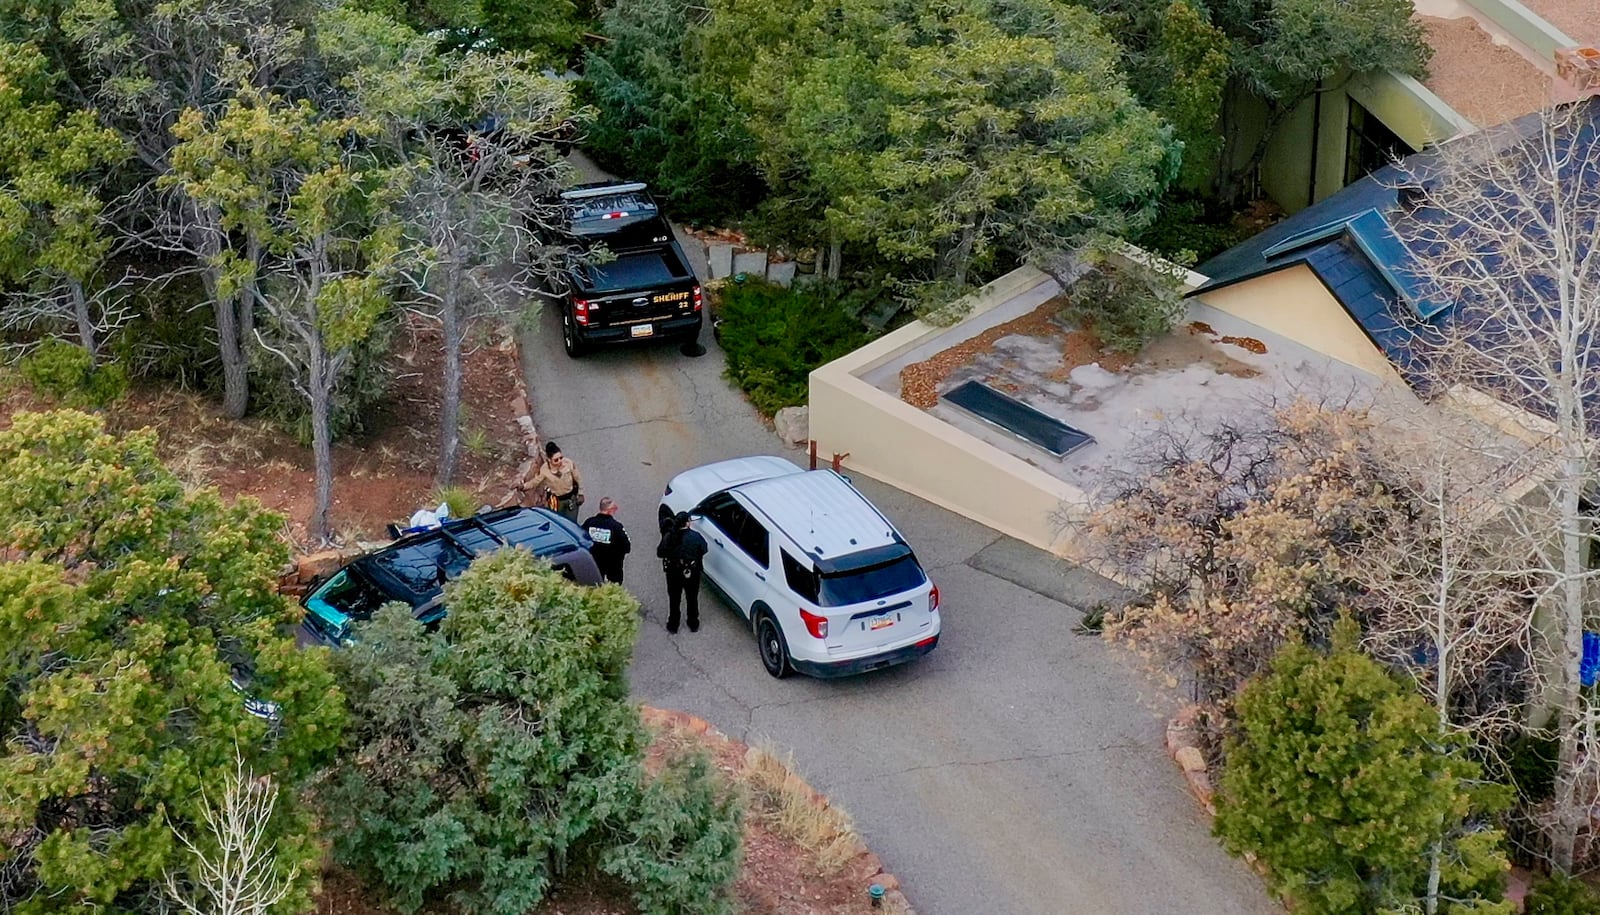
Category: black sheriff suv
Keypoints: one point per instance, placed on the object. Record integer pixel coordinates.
(625, 278)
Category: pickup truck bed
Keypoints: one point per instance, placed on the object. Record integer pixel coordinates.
(627, 280)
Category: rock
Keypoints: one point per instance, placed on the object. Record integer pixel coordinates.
(781, 273)
(1191, 759)
(793, 424)
(525, 423)
(1200, 786)
(719, 256)
(1093, 376)
(319, 564)
(753, 263)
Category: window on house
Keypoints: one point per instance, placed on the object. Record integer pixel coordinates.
(1369, 144)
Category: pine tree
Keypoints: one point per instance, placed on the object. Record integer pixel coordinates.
(1341, 783)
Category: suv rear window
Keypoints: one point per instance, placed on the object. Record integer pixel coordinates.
(872, 582)
(802, 579)
(626, 203)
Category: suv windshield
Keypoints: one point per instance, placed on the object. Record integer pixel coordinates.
(872, 582)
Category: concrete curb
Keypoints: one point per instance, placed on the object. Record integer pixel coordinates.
(666, 718)
(521, 407)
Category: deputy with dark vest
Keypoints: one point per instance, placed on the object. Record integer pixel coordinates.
(682, 553)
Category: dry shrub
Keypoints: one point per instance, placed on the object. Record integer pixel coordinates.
(788, 805)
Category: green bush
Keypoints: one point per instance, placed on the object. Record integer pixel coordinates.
(1125, 303)
(660, 118)
(1559, 895)
(66, 373)
(129, 604)
(774, 337)
(362, 388)
(463, 502)
(497, 755)
(683, 846)
(172, 337)
(1188, 229)
(1341, 784)
(1530, 766)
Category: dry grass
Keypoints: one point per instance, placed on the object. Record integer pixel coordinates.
(792, 809)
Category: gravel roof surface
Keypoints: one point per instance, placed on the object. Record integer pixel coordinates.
(1487, 83)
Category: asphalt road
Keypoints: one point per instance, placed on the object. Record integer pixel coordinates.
(1017, 769)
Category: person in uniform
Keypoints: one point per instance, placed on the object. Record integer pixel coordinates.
(562, 483)
(682, 553)
(610, 540)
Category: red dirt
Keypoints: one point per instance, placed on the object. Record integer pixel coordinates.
(1247, 343)
(381, 476)
(920, 381)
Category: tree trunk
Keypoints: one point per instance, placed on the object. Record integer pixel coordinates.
(835, 256)
(230, 346)
(450, 405)
(80, 311)
(321, 388)
(1569, 817)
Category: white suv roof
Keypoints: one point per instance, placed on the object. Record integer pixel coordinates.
(823, 513)
(819, 509)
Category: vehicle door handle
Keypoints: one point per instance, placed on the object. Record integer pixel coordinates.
(716, 541)
(760, 577)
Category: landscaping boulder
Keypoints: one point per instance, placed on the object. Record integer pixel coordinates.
(781, 273)
(719, 257)
(793, 424)
(750, 263)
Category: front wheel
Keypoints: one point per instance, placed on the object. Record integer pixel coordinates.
(569, 337)
(774, 651)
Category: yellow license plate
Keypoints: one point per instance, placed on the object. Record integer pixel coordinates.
(642, 330)
(882, 623)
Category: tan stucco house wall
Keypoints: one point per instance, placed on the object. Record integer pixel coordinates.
(1294, 303)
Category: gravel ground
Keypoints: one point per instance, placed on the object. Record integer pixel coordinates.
(1580, 19)
(1485, 82)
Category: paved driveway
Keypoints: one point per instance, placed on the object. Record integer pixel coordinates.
(1017, 769)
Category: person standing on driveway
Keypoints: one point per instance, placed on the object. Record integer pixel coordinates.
(561, 481)
(610, 540)
(682, 552)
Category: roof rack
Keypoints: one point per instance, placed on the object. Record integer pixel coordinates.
(604, 190)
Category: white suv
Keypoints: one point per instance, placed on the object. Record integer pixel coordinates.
(829, 586)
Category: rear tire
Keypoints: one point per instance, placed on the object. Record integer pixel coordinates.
(770, 643)
(569, 338)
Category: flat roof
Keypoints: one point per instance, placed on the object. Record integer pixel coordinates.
(1212, 369)
(1486, 82)
(1580, 19)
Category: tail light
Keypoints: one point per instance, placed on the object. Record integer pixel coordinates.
(580, 311)
(816, 625)
(698, 299)
(933, 599)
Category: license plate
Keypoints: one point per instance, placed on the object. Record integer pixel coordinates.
(642, 330)
(882, 623)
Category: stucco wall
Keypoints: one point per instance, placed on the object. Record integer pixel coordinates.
(892, 441)
(1404, 105)
(1293, 303)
